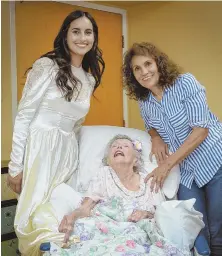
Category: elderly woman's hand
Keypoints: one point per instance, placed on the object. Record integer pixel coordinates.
(159, 149)
(67, 224)
(15, 183)
(138, 215)
(158, 176)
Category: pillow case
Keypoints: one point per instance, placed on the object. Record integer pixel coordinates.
(184, 221)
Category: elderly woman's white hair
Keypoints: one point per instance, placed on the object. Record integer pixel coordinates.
(139, 164)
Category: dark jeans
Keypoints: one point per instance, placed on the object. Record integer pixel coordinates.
(209, 203)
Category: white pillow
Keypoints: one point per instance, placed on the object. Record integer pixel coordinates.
(92, 143)
(64, 200)
(182, 219)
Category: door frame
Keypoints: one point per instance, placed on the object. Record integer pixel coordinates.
(76, 3)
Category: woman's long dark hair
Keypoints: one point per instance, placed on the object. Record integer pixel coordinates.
(92, 61)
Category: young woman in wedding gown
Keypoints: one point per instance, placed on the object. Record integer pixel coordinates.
(55, 101)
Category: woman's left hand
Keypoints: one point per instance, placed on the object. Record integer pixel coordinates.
(138, 215)
(158, 176)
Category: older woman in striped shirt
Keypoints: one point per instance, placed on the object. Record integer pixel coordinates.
(177, 117)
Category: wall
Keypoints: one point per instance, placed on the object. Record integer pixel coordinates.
(190, 33)
(6, 131)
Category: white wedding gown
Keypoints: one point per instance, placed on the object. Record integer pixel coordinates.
(45, 145)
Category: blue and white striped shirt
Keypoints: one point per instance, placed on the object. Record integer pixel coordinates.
(182, 107)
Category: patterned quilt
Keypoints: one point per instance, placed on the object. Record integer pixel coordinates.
(107, 232)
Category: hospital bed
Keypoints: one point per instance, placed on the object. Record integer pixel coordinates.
(92, 142)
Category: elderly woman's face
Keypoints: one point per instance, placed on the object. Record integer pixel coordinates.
(122, 151)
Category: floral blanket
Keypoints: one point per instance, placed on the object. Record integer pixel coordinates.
(107, 232)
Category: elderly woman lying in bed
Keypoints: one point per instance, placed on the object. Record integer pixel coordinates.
(116, 215)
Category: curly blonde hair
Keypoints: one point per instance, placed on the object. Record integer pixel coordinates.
(168, 70)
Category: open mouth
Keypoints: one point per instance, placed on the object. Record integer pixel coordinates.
(118, 153)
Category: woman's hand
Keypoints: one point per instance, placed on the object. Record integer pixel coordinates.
(67, 224)
(15, 183)
(159, 149)
(138, 215)
(158, 176)
(196, 137)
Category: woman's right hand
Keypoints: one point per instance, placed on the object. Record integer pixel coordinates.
(67, 224)
(159, 149)
(15, 183)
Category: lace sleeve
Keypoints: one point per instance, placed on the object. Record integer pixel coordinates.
(36, 85)
(92, 81)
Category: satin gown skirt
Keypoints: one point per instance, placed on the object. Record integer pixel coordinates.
(51, 158)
